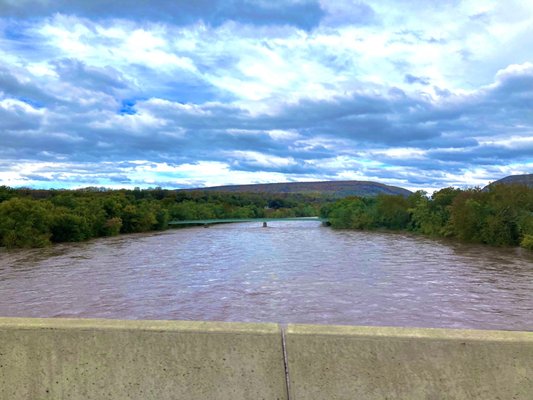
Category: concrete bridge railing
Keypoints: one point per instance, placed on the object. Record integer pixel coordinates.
(109, 359)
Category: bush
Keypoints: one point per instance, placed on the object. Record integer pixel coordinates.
(527, 242)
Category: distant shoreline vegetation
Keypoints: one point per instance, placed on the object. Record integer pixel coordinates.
(36, 218)
(501, 215)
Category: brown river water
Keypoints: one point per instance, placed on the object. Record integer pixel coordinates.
(297, 272)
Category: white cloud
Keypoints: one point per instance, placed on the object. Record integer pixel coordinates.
(514, 69)
(121, 45)
(400, 93)
(400, 152)
(19, 107)
(278, 134)
(257, 159)
(136, 123)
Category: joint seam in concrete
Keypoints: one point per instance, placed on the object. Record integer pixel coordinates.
(285, 361)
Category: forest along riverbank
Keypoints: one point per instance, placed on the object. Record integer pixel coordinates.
(288, 272)
(500, 215)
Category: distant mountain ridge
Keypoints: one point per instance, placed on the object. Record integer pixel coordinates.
(333, 188)
(526, 179)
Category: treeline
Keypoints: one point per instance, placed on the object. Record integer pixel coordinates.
(502, 215)
(37, 218)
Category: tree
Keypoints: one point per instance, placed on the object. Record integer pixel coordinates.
(527, 242)
(112, 226)
(25, 223)
(138, 218)
(353, 212)
(392, 211)
(468, 216)
(65, 226)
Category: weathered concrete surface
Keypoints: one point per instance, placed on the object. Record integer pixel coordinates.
(47, 359)
(335, 362)
(103, 359)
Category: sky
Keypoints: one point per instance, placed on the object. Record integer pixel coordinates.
(422, 94)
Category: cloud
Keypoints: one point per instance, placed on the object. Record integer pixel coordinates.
(304, 14)
(16, 84)
(104, 94)
(416, 79)
(360, 13)
(103, 79)
(358, 125)
(16, 115)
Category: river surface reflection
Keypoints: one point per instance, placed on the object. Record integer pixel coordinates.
(289, 272)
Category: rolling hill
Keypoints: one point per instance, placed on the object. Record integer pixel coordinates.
(336, 189)
(526, 179)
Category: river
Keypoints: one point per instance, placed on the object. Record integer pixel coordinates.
(297, 272)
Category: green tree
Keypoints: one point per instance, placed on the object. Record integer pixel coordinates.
(138, 218)
(6, 193)
(431, 216)
(25, 223)
(112, 226)
(527, 242)
(66, 226)
(353, 213)
(392, 211)
(468, 216)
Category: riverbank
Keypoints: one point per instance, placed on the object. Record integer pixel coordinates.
(502, 215)
(499, 216)
(38, 218)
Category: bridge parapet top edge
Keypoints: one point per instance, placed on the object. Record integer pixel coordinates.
(386, 332)
(352, 331)
(140, 325)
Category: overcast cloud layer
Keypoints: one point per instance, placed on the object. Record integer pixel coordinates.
(420, 94)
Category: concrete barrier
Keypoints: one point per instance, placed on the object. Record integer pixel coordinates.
(341, 362)
(103, 359)
(45, 359)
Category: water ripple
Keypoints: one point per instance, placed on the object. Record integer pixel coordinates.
(289, 272)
